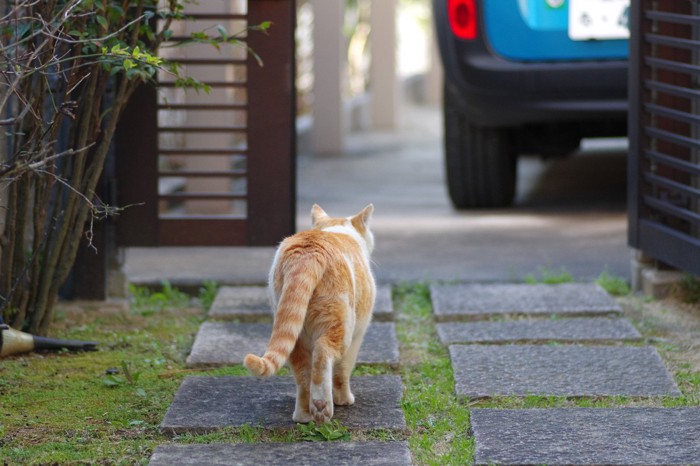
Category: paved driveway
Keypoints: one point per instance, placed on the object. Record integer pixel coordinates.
(569, 213)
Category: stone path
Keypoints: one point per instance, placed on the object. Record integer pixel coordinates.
(227, 343)
(573, 371)
(504, 340)
(252, 304)
(587, 436)
(473, 301)
(592, 330)
(241, 324)
(205, 404)
(314, 453)
(489, 360)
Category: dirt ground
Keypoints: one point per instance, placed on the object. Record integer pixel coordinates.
(671, 324)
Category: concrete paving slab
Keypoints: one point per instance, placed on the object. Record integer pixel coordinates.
(205, 404)
(465, 301)
(244, 303)
(383, 304)
(594, 330)
(252, 304)
(622, 436)
(485, 370)
(227, 343)
(284, 454)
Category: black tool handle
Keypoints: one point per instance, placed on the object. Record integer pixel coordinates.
(42, 343)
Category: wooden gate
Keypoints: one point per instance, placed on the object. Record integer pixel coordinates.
(214, 169)
(664, 164)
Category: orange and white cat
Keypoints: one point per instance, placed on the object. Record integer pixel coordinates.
(323, 293)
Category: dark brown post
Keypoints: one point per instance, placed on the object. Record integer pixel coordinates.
(636, 131)
(271, 123)
(137, 170)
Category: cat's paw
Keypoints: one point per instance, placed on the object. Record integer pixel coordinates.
(321, 410)
(343, 397)
(302, 417)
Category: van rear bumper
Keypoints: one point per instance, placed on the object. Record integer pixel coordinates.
(495, 91)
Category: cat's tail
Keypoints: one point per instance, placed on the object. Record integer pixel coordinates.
(299, 285)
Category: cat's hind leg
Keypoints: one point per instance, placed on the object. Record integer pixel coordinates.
(326, 350)
(300, 360)
(342, 395)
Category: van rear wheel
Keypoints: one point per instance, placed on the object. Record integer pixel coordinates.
(480, 162)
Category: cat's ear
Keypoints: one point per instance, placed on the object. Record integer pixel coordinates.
(361, 220)
(317, 214)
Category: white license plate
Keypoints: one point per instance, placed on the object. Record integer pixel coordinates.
(599, 19)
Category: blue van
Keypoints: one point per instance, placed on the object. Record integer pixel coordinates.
(526, 77)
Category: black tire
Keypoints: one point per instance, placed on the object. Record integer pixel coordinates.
(480, 162)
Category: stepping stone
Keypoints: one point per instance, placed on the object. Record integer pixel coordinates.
(485, 371)
(336, 453)
(622, 436)
(598, 329)
(383, 305)
(244, 303)
(252, 303)
(473, 301)
(227, 343)
(205, 404)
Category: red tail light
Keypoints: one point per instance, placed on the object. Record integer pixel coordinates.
(462, 16)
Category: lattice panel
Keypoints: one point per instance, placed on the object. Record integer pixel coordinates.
(202, 138)
(665, 132)
(215, 169)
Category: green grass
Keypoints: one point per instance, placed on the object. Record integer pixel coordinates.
(689, 384)
(207, 293)
(104, 406)
(614, 285)
(438, 424)
(67, 409)
(549, 276)
(689, 289)
(59, 409)
(329, 432)
(366, 369)
(147, 302)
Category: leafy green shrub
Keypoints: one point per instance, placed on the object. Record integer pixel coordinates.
(67, 70)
